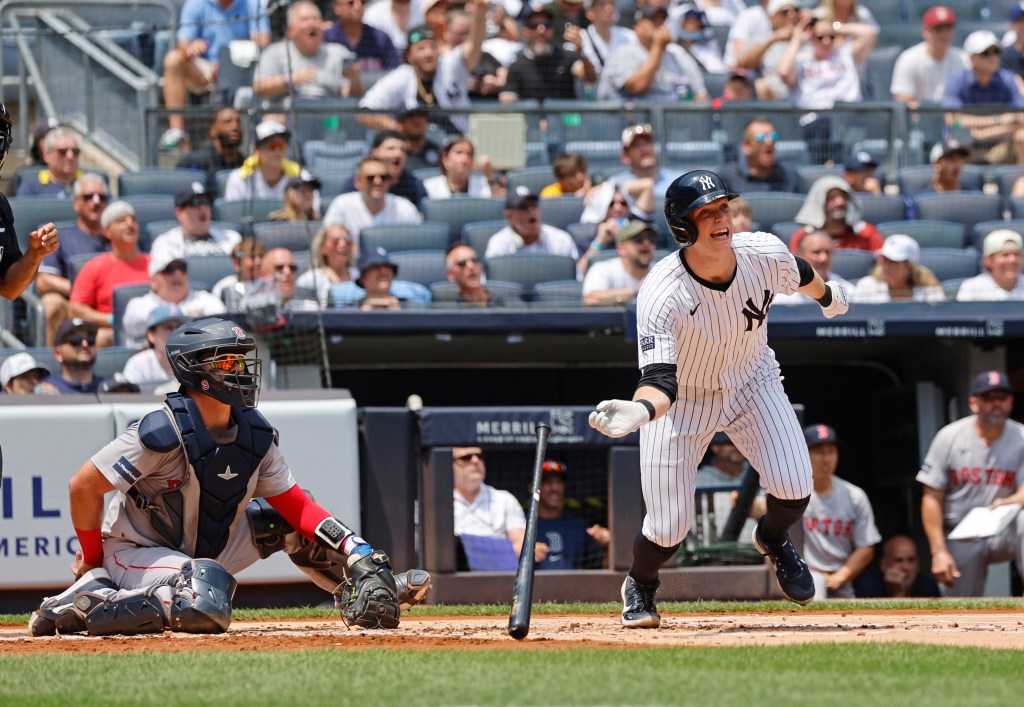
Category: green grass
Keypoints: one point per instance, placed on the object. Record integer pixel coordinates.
(821, 674)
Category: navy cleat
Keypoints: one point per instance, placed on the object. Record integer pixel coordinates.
(795, 579)
(639, 608)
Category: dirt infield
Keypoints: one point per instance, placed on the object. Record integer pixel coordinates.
(989, 629)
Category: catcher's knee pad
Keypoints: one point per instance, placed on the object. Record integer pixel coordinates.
(269, 528)
(202, 598)
(370, 598)
(325, 567)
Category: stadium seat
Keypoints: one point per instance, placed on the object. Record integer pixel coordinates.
(151, 207)
(963, 207)
(809, 174)
(122, 295)
(984, 228)
(458, 212)
(478, 233)
(785, 230)
(949, 263)
(851, 264)
(560, 211)
(293, 235)
(875, 208)
(952, 286)
(769, 207)
(558, 292)
(332, 182)
(510, 292)
(793, 153)
(695, 152)
(530, 268)
(321, 156)
(245, 212)
(77, 263)
(533, 178)
(928, 234)
(32, 212)
(914, 179)
(423, 266)
(407, 236)
(158, 180)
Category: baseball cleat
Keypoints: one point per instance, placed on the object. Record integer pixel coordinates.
(639, 608)
(413, 586)
(59, 614)
(794, 577)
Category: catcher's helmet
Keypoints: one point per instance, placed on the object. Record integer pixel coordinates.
(216, 357)
(5, 133)
(687, 194)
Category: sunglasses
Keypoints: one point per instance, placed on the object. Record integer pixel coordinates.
(537, 25)
(644, 238)
(466, 261)
(101, 198)
(175, 267)
(823, 37)
(291, 267)
(619, 202)
(377, 177)
(764, 137)
(468, 457)
(277, 143)
(76, 151)
(227, 362)
(76, 340)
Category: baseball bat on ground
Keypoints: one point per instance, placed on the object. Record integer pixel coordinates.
(522, 594)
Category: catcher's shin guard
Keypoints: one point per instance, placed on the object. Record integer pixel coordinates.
(58, 614)
(370, 598)
(202, 598)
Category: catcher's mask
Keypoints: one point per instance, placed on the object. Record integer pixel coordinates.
(218, 358)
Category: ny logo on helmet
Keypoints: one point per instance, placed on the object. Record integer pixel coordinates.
(706, 182)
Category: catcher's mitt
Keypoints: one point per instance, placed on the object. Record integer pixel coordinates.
(369, 597)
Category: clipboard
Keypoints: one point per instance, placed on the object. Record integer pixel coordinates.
(983, 522)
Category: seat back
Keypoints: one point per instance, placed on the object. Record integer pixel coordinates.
(245, 212)
(158, 180)
(559, 292)
(205, 271)
(949, 263)
(928, 234)
(423, 266)
(915, 179)
(151, 207)
(293, 235)
(984, 228)
(530, 268)
(77, 263)
(770, 207)
(32, 212)
(478, 233)
(458, 212)
(395, 238)
(963, 207)
(851, 264)
(876, 208)
(533, 178)
(122, 295)
(560, 211)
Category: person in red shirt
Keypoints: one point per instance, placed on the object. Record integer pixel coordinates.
(832, 206)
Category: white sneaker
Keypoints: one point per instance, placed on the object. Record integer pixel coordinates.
(173, 138)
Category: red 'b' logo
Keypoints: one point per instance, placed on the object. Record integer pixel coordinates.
(238, 332)
(822, 432)
(993, 378)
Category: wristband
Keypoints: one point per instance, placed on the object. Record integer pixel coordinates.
(596, 245)
(649, 407)
(826, 299)
(91, 542)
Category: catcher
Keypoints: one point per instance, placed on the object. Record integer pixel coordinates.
(204, 492)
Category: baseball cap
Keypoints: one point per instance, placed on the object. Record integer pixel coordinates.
(776, 5)
(721, 438)
(820, 434)
(649, 12)
(858, 161)
(945, 148)
(900, 248)
(1017, 12)
(305, 178)
(1001, 239)
(160, 263)
(71, 325)
(114, 211)
(987, 381)
(189, 192)
(410, 108)
(18, 365)
(268, 129)
(632, 229)
(517, 198)
(166, 313)
(372, 258)
(938, 15)
(552, 468)
(634, 131)
(419, 34)
(979, 41)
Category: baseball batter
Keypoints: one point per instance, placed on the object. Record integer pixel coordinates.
(976, 461)
(204, 492)
(706, 367)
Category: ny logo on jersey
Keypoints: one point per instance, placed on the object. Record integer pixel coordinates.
(751, 311)
(706, 182)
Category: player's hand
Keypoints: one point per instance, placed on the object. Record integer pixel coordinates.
(944, 568)
(45, 240)
(79, 566)
(617, 418)
(839, 304)
(540, 552)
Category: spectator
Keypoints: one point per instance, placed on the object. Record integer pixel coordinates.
(608, 208)
(396, 18)
(839, 524)
(728, 468)
(278, 268)
(900, 575)
(390, 148)
(246, 256)
(694, 34)
(463, 267)
(544, 69)
(222, 150)
(264, 175)
(974, 462)
(191, 67)
(997, 138)
(85, 236)
(738, 88)
(1012, 57)
(603, 37)
(525, 233)
(193, 236)
(616, 280)
(60, 153)
(859, 173)
(75, 351)
(764, 54)
(851, 21)
(757, 169)
(371, 205)
(169, 286)
(832, 206)
(92, 297)
(948, 158)
(151, 365)
(43, 127)
(435, 16)
(373, 48)
(641, 160)
(742, 215)
(456, 177)
(1001, 260)
(898, 276)
(752, 27)
(571, 176)
(817, 248)
(331, 259)
(427, 79)
(301, 200)
(921, 71)
(21, 374)
(377, 287)
(565, 15)
(653, 69)
(483, 510)
(419, 151)
(304, 64)
(572, 543)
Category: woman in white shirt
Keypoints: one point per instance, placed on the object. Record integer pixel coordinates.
(457, 177)
(898, 277)
(331, 260)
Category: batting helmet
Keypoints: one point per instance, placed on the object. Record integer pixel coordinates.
(216, 357)
(5, 133)
(687, 194)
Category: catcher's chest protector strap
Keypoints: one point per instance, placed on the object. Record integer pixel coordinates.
(222, 470)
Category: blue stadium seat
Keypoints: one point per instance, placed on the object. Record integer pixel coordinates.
(530, 268)
(151, 207)
(769, 207)
(293, 235)
(851, 264)
(558, 293)
(478, 233)
(984, 228)
(245, 212)
(32, 212)
(407, 236)
(533, 178)
(928, 234)
(949, 263)
(560, 211)
(875, 208)
(158, 180)
(915, 179)
(423, 266)
(963, 207)
(458, 212)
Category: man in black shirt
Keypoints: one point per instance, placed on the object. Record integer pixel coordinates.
(757, 169)
(544, 69)
(222, 150)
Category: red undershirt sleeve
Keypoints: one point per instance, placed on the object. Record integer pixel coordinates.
(302, 513)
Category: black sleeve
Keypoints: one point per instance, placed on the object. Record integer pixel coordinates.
(10, 250)
(661, 376)
(806, 271)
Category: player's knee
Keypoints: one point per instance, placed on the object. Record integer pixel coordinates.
(269, 528)
(202, 598)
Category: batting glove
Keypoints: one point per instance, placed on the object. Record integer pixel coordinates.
(617, 418)
(839, 304)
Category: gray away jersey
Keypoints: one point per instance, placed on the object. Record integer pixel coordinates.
(836, 524)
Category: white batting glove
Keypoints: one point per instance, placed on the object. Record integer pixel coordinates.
(839, 304)
(617, 418)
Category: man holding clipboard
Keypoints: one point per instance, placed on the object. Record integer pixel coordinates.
(976, 462)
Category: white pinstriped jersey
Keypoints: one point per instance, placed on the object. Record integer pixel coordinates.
(717, 338)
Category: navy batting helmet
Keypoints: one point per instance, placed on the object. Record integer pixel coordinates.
(687, 194)
(5, 132)
(216, 357)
